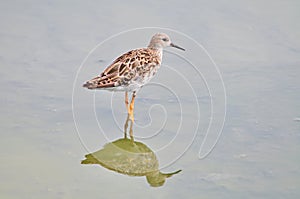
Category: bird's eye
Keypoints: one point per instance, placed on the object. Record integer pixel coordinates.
(165, 39)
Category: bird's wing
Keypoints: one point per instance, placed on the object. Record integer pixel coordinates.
(123, 68)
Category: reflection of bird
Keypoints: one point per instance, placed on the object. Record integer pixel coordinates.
(130, 157)
(132, 70)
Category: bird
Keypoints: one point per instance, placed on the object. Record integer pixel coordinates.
(132, 70)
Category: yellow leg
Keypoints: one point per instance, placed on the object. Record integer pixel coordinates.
(126, 126)
(131, 131)
(126, 101)
(131, 107)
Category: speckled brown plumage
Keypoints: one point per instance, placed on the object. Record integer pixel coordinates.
(131, 66)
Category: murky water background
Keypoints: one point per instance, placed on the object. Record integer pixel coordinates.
(256, 47)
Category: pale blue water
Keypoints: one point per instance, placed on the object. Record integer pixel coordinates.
(256, 48)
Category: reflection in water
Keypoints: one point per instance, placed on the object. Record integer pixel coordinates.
(129, 157)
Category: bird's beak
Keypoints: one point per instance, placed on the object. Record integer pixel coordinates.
(175, 46)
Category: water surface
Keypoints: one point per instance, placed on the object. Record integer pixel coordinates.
(256, 48)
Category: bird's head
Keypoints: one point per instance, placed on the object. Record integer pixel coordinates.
(162, 40)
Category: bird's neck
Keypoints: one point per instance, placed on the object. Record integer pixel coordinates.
(158, 51)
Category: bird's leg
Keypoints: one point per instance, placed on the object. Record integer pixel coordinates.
(126, 101)
(126, 126)
(131, 132)
(131, 107)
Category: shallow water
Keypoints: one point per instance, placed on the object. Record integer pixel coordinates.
(45, 133)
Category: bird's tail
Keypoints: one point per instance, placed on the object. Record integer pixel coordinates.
(92, 84)
(98, 83)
